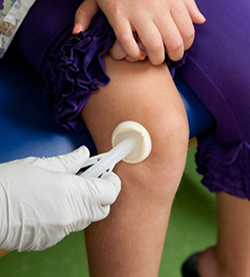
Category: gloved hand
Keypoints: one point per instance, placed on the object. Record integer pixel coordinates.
(42, 200)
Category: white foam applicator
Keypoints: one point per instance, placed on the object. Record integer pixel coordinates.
(131, 143)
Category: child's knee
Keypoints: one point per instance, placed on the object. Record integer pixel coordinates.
(160, 174)
(146, 94)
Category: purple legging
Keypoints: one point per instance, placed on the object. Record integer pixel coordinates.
(216, 68)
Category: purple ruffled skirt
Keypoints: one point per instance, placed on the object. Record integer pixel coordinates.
(216, 68)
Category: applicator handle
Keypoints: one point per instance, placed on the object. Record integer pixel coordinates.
(131, 143)
(103, 164)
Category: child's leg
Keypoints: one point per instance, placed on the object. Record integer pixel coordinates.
(130, 241)
(231, 257)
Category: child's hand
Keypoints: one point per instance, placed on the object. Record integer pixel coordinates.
(83, 16)
(161, 25)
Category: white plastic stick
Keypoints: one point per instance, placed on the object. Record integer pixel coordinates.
(131, 143)
(104, 163)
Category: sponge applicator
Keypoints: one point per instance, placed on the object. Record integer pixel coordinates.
(131, 143)
(140, 139)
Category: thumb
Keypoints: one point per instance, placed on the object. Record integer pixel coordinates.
(117, 52)
(83, 16)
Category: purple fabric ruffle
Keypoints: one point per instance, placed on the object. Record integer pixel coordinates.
(75, 70)
(172, 66)
(224, 169)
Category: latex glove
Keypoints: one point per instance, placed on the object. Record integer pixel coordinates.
(162, 26)
(42, 200)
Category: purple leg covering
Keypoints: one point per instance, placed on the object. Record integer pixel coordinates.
(217, 69)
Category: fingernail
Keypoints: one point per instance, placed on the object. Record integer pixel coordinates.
(142, 56)
(77, 28)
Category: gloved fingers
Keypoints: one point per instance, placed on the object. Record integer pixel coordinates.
(69, 163)
(105, 190)
(89, 199)
(98, 212)
(17, 161)
(105, 210)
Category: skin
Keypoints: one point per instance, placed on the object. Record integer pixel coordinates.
(130, 241)
(231, 256)
(148, 20)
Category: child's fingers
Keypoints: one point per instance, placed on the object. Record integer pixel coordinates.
(84, 15)
(184, 24)
(117, 52)
(151, 39)
(124, 35)
(195, 14)
(143, 53)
